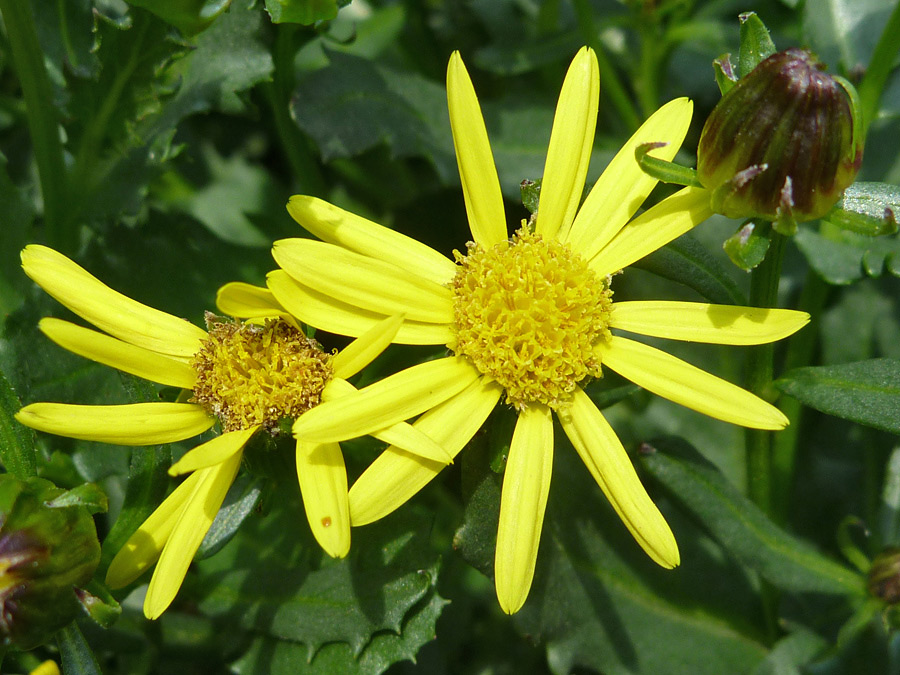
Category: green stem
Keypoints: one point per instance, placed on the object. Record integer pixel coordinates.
(43, 123)
(612, 85)
(307, 175)
(879, 67)
(800, 350)
(648, 90)
(760, 366)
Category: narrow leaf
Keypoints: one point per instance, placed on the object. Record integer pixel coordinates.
(741, 527)
(16, 441)
(756, 45)
(77, 657)
(687, 262)
(867, 392)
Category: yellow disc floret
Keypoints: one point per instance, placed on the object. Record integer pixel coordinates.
(254, 375)
(528, 313)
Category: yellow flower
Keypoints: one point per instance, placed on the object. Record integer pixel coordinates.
(245, 376)
(529, 316)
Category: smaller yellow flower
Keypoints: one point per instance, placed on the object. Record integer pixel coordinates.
(247, 376)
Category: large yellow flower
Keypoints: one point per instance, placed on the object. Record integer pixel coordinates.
(246, 376)
(530, 316)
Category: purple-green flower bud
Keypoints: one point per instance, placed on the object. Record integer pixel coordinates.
(884, 576)
(783, 143)
(45, 553)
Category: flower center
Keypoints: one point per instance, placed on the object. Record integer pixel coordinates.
(255, 375)
(528, 314)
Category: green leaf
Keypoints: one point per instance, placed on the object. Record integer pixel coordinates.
(792, 652)
(99, 603)
(597, 602)
(867, 208)
(844, 32)
(303, 11)
(188, 16)
(354, 105)
(226, 60)
(88, 495)
(17, 452)
(524, 56)
(18, 214)
(866, 392)
(756, 45)
(66, 33)
(241, 500)
(748, 246)
(841, 257)
(265, 579)
(667, 172)
(687, 262)
(280, 657)
(739, 525)
(75, 654)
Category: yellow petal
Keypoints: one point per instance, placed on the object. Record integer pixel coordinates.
(196, 517)
(213, 452)
(323, 484)
(334, 316)
(246, 301)
(570, 147)
(526, 484)
(702, 322)
(113, 352)
(672, 378)
(653, 229)
(364, 282)
(396, 475)
(364, 349)
(337, 226)
(606, 459)
(623, 187)
(481, 187)
(144, 546)
(107, 309)
(387, 402)
(131, 424)
(402, 435)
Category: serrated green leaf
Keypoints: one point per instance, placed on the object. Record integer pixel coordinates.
(265, 581)
(748, 246)
(226, 60)
(354, 105)
(65, 31)
(268, 656)
(687, 262)
(867, 208)
(756, 45)
(841, 257)
(99, 603)
(188, 16)
(867, 392)
(305, 12)
(740, 526)
(17, 452)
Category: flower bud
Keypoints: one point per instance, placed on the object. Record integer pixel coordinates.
(783, 143)
(884, 576)
(45, 552)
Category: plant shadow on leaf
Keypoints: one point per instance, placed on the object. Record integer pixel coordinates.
(597, 601)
